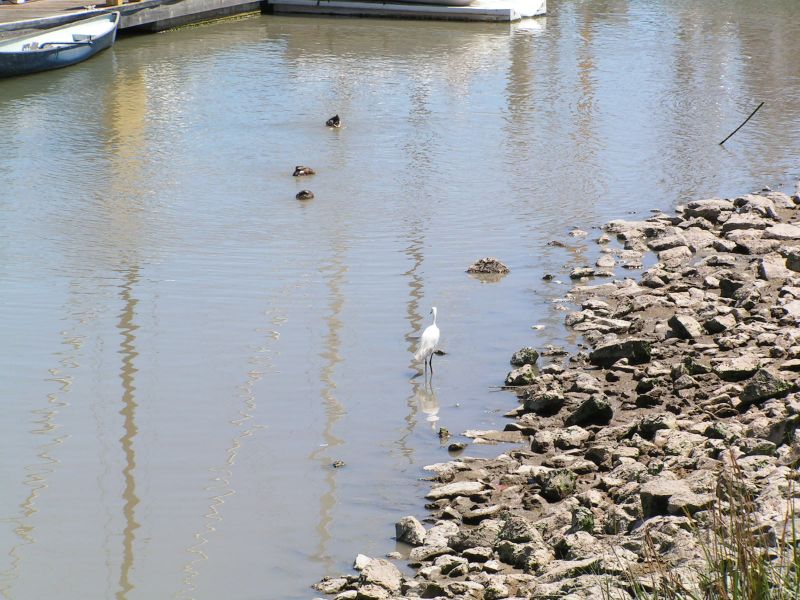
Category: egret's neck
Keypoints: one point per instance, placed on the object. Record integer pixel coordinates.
(434, 316)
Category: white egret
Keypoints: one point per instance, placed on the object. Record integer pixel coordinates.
(428, 343)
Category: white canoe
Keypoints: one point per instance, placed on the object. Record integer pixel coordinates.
(59, 46)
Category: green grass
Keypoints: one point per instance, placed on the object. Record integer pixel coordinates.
(743, 560)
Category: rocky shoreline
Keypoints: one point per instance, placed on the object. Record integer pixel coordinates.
(687, 382)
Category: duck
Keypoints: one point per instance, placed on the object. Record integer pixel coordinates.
(300, 170)
(305, 195)
(334, 121)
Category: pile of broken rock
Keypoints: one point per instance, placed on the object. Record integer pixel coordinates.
(690, 373)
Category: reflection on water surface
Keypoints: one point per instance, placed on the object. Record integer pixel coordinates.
(189, 349)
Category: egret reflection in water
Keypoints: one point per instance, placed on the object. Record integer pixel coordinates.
(428, 403)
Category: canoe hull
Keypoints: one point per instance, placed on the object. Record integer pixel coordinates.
(24, 62)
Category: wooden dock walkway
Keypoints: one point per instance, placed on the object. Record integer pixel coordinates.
(141, 15)
(10, 13)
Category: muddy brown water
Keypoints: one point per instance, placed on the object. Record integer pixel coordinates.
(187, 348)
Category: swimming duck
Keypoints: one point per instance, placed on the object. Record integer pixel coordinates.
(334, 121)
(305, 195)
(300, 170)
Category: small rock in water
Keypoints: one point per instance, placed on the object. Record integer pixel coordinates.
(551, 350)
(525, 356)
(578, 233)
(537, 327)
(305, 195)
(581, 272)
(410, 531)
(488, 266)
(456, 447)
(605, 262)
(548, 276)
(439, 352)
(337, 464)
(556, 244)
(444, 433)
(334, 121)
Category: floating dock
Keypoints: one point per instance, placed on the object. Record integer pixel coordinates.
(157, 15)
(481, 10)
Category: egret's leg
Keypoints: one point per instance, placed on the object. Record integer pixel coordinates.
(431, 363)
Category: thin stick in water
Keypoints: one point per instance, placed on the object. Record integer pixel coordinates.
(742, 125)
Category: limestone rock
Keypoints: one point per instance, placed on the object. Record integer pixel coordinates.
(675, 256)
(782, 231)
(488, 266)
(763, 385)
(567, 569)
(478, 554)
(473, 517)
(519, 530)
(331, 585)
(382, 573)
(720, 323)
(606, 261)
(546, 403)
(484, 535)
(708, 209)
(773, 266)
(743, 221)
(571, 437)
(524, 356)
(452, 566)
(685, 326)
(427, 552)
(496, 590)
(756, 204)
(649, 425)
(451, 490)
(655, 495)
(410, 531)
(492, 436)
(525, 375)
(582, 519)
(636, 351)
(372, 591)
(558, 484)
(793, 261)
(666, 242)
(595, 411)
(738, 368)
(677, 443)
(697, 239)
(581, 272)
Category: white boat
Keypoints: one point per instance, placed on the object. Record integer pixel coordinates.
(59, 46)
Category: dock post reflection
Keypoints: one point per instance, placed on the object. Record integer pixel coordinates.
(334, 273)
(128, 370)
(37, 473)
(415, 294)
